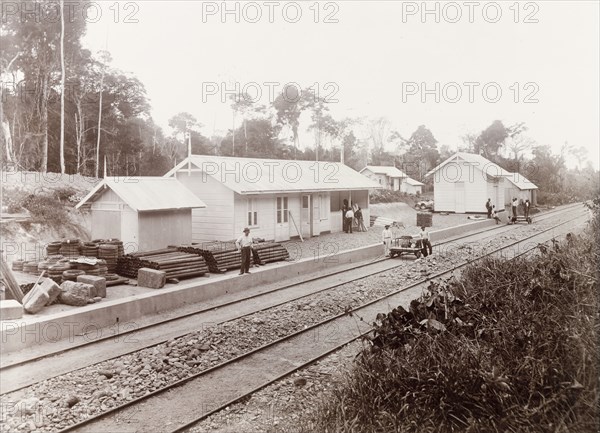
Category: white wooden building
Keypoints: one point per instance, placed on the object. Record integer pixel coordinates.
(276, 199)
(388, 177)
(464, 182)
(146, 213)
(411, 186)
(392, 178)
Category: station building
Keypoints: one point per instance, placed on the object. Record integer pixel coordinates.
(277, 199)
(464, 182)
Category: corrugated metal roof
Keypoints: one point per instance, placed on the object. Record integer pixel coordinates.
(388, 170)
(520, 181)
(488, 167)
(262, 176)
(147, 193)
(484, 164)
(411, 181)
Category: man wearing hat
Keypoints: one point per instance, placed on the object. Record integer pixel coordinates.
(244, 244)
(386, 237)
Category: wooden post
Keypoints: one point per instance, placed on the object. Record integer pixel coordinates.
(295, 226)
(9, 279)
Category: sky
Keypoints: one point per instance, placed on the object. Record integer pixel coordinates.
(452, 66)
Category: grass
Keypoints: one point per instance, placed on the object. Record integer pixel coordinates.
(511, 346)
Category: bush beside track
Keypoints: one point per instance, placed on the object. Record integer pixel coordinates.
(511, 346)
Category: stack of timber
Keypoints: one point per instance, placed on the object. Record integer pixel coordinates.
(271, 252)
(224, 256)
(219, 256)
(177, 264)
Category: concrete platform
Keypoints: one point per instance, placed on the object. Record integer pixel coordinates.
(125, 303)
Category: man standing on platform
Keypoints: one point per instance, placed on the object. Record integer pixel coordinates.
(244, 244)
(349, 219)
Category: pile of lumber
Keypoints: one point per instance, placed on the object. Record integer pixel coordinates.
(271, 252)
(219, 256)
(176, 264)
(224, 256)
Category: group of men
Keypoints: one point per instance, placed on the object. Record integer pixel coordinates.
(492, 212)
(423, 241)
(349, 213)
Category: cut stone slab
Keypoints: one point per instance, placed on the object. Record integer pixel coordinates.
(151, 278)
(76, 294)
(99, 284)
(51, 288)
(36, 299)
(10, 310)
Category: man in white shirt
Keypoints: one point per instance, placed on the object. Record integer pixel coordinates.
(386, 237)
(244, 244)
(425, 243)
(349, 218)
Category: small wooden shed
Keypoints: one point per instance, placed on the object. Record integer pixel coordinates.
(146, 213)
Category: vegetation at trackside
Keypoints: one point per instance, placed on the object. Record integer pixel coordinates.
(509, 346)
(49, 203)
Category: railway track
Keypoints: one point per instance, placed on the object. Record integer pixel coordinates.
(22, 374)
(181, 405)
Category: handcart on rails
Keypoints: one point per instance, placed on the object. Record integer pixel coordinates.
(520, 219)
(405, 245)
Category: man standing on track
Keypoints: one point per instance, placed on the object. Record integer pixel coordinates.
(526, 207)
(386, 237)
(515, 203)
(425, 243)
(244, 244)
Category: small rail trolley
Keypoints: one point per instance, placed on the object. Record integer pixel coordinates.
(520, 219)
(405, 245)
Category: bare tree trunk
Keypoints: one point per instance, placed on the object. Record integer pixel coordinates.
(44, 125)
(10, 156)
(62, 88)
(99, 124)
(233, 136)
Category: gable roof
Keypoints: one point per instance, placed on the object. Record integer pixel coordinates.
(388, 170)
(491, 169)
(145, 193)
(488, 167)
(264, 176)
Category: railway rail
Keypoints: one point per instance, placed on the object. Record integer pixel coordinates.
(25, 373)
(182, 404)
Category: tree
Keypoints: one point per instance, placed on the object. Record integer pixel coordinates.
(422, 154)
(34, 43)
(262, 138)
(491, 139)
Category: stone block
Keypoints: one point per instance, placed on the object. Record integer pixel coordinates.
(51, 288)
(151, 278)
(76, 294)
(36, 299)
(10, 310)
(99, 284)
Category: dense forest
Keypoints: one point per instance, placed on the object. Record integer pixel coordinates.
(65, 109)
